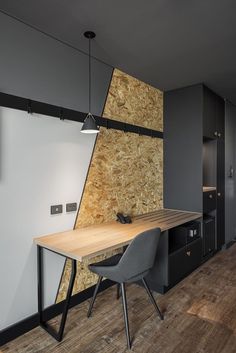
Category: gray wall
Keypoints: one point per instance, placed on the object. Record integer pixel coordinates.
(43, 161)
(183, 149)
(230, 182)
(37, 67)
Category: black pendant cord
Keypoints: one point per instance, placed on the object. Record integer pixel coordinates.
(89, 35)
(90, 82)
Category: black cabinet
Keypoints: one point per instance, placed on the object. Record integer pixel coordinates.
(171, 267)
(194, 153)
(213, 115)
(213, 128)
(184, 261)
(209, 201)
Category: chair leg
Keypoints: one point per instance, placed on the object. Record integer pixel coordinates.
(94, 296)
(118, 291)
(152, 299)
(124, 301)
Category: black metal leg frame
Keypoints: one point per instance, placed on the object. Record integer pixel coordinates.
(58, 335)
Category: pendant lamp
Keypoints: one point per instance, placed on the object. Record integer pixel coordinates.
(89, 125)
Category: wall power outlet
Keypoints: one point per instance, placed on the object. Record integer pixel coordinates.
(56, 209)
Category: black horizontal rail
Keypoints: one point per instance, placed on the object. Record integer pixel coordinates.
(32, 106)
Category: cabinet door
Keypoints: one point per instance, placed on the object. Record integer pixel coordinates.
(220, 193)
(220, 121)
(184, 261)
(209, 201)
(209, 114)
(194, 254)
(208, 235)
(230, 177)
(178, 266)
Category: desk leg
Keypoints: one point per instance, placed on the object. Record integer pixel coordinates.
(57, 335)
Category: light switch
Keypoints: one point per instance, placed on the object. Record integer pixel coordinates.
(71, 207)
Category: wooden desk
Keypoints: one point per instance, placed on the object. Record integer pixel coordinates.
(88, 242)
(84, 243)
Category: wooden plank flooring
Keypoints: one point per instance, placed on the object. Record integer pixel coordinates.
(200, 317)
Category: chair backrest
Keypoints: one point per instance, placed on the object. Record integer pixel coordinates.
(139, 256)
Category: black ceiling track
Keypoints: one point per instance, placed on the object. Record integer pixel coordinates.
(32, 106)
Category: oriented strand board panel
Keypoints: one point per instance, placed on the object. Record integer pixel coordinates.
(126, 171)
(125, 176)
(134, 102)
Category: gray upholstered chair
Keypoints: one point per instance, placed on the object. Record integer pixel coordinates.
(132, 266)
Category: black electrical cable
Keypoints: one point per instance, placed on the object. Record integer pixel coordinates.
(51, 36)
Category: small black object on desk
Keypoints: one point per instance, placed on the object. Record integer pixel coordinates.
(123, 218)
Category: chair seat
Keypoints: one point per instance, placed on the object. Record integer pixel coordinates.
(104, 267)
(110, 261)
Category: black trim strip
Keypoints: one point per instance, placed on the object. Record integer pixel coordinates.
(31, 106)
(21, 327)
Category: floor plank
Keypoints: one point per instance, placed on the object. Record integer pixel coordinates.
(200, 317)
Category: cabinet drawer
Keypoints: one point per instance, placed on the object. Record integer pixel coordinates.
(184, 261)
(177, 266)
(209, 201)
(194, 254)
(208, 235)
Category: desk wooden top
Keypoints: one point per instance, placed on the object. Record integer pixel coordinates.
(85, 243)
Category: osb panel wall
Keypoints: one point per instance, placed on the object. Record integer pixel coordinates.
(126, 171)
(134, 102)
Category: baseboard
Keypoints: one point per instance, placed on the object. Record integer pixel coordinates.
(21, 327)
(229, 244)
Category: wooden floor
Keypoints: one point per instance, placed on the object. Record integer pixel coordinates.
(200, 317)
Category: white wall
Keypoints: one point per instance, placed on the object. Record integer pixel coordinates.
(43, 161)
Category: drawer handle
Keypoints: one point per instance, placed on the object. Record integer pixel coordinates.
(216, 133)
(188, 253)
(219, 194)
(210, 196)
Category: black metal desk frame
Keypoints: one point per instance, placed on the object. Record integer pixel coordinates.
(58, 335)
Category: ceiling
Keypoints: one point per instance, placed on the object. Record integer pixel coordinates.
(166, 43)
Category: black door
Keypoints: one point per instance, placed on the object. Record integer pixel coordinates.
(220, 174)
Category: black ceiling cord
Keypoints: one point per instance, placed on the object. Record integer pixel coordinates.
(50, 36)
